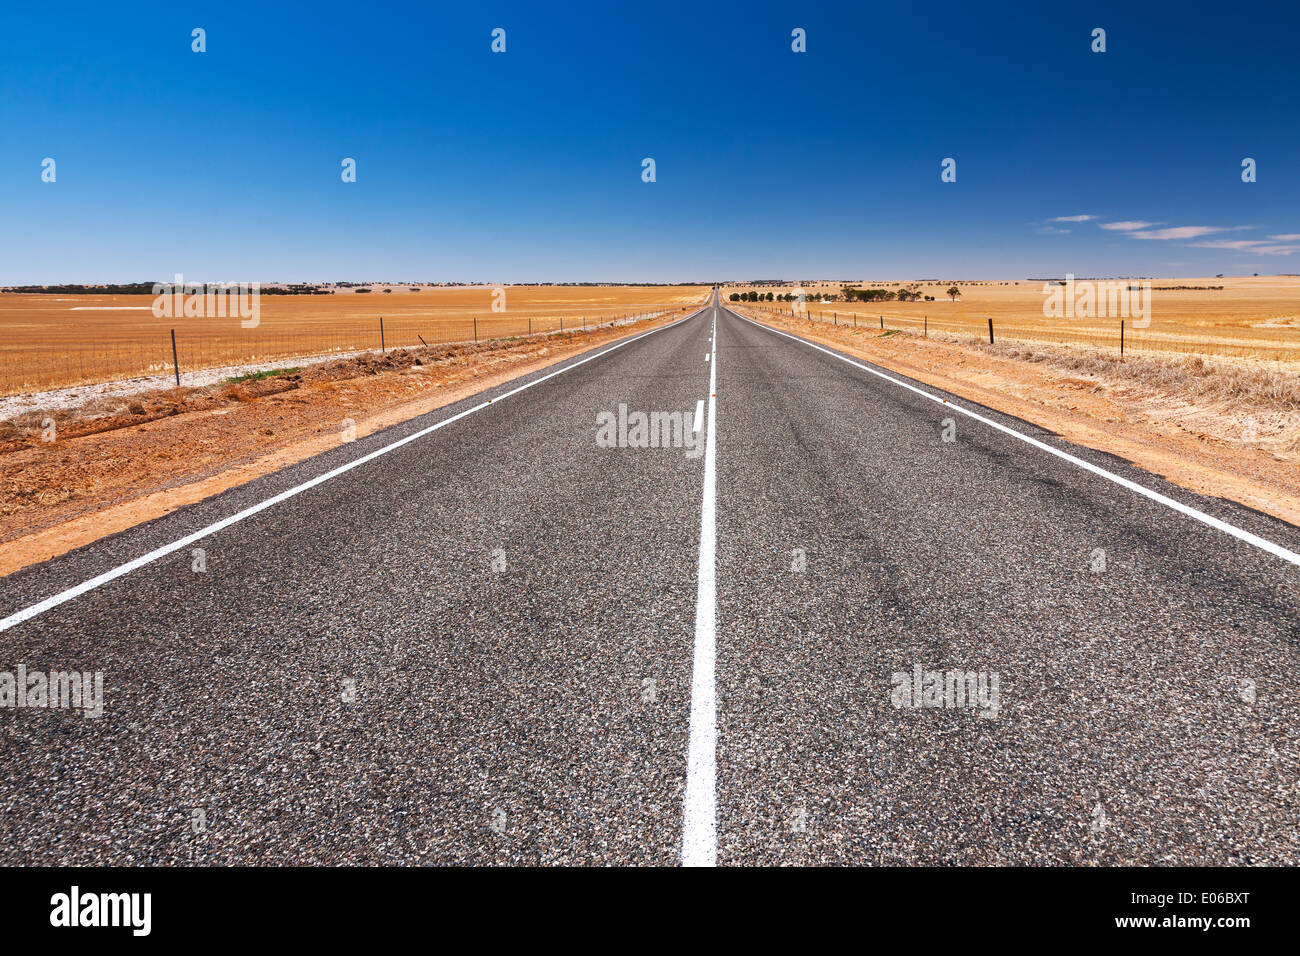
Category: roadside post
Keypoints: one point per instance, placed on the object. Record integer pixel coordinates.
(176, 364)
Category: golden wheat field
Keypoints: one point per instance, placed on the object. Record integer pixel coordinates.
(51, 341)
(1251, 318)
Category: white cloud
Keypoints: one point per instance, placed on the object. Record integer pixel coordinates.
(1177, 232)
(1248, 245)
(1230, 243)
(1129, 225)
(1287, 237)
(1071, 218)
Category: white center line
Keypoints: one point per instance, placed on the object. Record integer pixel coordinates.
(26, 614)
(699, 817)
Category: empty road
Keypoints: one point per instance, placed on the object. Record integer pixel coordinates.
(506, 632)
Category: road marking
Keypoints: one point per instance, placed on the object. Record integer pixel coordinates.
(699, 815)
(1240, 533)
(26, 614)
(699, 414)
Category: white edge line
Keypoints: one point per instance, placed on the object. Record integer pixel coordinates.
(699, 813)
(26, 614)
(1253, 539)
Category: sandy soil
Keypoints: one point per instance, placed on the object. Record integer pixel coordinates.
(118, 462)
(1243, 450)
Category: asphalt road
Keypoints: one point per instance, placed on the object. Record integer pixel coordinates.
(482, 646)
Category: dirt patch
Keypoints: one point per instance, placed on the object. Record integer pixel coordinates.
(1223, 431)
(119, 462)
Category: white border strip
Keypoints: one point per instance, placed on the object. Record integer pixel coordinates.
(26, 614)
(699, 815)
(1252, 539)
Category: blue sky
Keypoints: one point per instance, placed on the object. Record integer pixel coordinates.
(526, 166)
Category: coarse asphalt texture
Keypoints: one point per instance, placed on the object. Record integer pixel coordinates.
(477, 647)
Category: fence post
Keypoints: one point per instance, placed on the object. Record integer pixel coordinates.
(925, 328)
(835, 316)
(530, 325)
(476, 330)
(176, 364)
(1121, 338)
(990, 330)
(882, 321)
(382, 349)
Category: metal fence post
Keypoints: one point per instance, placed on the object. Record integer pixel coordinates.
(1121, 338)
(175, 363)
(990, 330)
(382, 348)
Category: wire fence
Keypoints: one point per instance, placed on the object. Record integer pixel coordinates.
(32, 370)
(1118, 336)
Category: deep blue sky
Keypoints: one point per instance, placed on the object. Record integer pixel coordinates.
(527, 166)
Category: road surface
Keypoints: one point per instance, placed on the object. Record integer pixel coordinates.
(497, 641)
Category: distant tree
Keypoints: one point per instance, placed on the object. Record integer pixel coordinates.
(734, 297)
(769, 297)
(953, 292)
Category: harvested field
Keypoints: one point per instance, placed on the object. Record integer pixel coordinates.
(1254, 318)
(52, 341)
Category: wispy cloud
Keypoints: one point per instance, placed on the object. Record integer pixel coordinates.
(1141, 229)
(1176, 232)
(1261, 246)
(1129, 225)
(1230, 243)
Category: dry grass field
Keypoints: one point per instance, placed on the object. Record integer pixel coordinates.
(51, 341)
(1252, 319)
